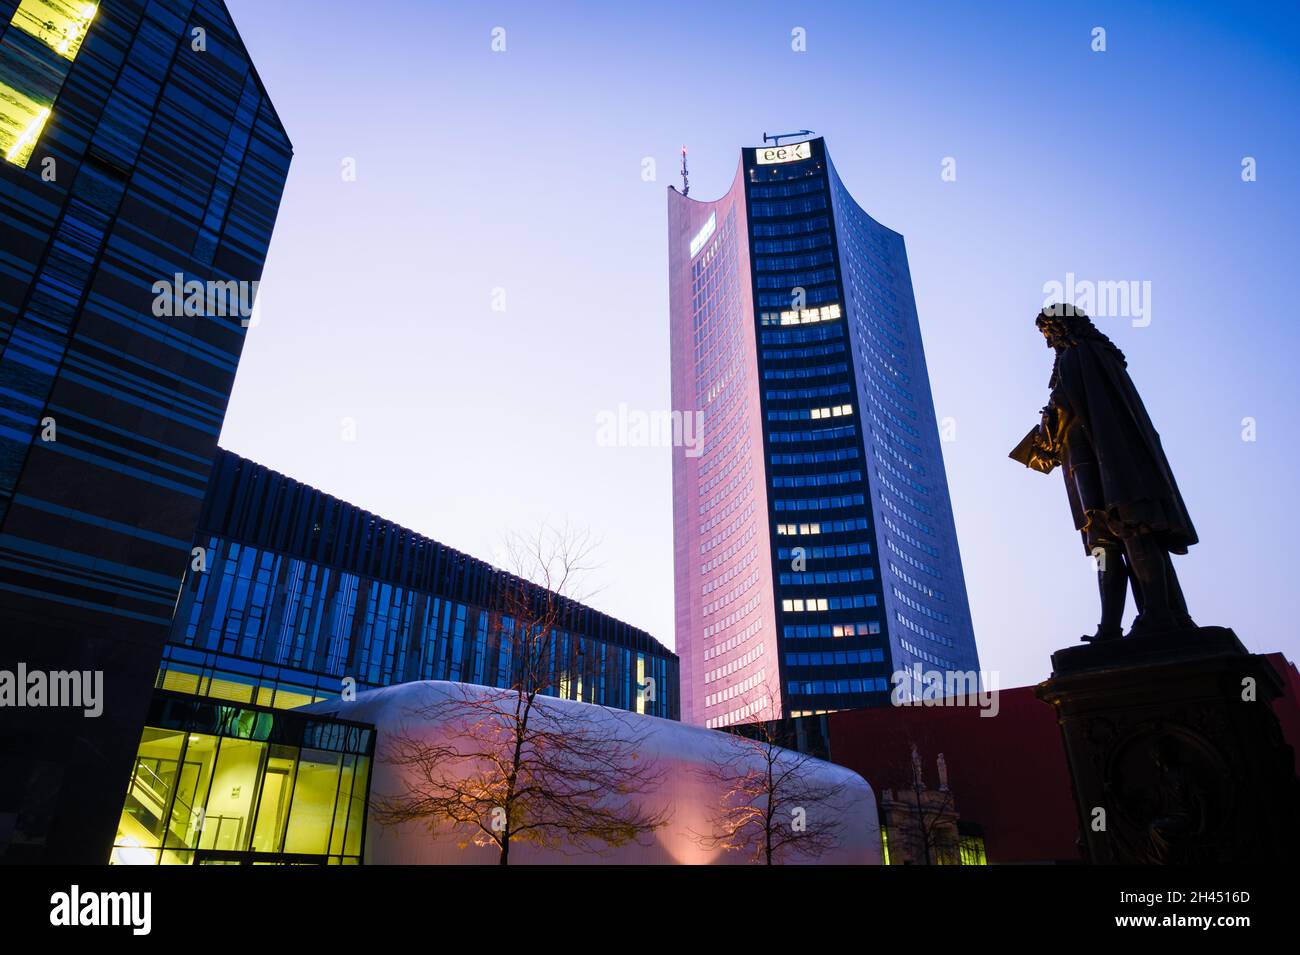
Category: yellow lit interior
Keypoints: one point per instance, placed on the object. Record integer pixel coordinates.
(181, 681)
(59, 24)
(236, 688)
(194, 791)
(21, 121)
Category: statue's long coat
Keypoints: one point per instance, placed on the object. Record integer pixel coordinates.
(1136, 482)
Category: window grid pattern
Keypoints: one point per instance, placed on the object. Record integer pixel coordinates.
(291, 577)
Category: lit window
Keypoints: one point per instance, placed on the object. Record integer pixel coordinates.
(836, 412)
(59, 24)
(24, 109)
(21, 121)
(826, 313)
(971, 848)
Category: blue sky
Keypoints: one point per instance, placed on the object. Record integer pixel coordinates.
(522, 171)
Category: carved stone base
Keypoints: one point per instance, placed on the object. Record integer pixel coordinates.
(1174, 749)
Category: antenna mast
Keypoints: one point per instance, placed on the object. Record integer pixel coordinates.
(686, 178)
(777, 137)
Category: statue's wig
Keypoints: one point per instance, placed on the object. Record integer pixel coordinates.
(1066, 326)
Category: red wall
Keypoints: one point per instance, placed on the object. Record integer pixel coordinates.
(1007, 772)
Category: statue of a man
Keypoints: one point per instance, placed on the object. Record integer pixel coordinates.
(1121, 490)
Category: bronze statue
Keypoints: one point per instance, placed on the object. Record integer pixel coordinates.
(1121, 490)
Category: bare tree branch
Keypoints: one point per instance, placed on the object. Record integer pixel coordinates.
(774, 805)
(931, 810)
(504, 768)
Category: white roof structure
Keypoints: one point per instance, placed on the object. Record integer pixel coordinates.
(687, 786)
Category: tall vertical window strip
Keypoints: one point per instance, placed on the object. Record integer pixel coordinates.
(30, 77)
(59, 24)
(21, 121)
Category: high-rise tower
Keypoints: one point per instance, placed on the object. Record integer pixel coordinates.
(139, 154)
(815, 547)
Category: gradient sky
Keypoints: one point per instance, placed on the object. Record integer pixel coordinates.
(522, 171)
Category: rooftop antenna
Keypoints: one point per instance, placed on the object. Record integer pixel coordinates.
(777, 137)
(686, 178)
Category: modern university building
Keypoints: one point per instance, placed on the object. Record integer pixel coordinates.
(816, 552)
(292, 597)
(206, 594)
(132, 152)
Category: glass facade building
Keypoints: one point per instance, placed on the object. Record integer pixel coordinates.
(816, 552)
(142, 171)
(295, 597)
(216, 783)
(291, 592)
(138, 146)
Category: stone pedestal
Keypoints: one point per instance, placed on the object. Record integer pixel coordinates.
(1174, 749)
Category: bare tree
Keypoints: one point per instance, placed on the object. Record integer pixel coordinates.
(774, 807)
(505, 766)
(931, 811)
